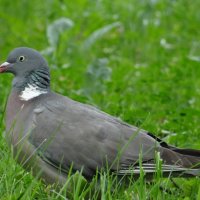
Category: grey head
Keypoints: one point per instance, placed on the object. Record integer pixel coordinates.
(29, 68)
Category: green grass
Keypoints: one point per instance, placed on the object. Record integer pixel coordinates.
(138, 60)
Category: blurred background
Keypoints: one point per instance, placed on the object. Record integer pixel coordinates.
(137, 60)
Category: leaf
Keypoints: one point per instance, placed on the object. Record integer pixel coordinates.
(56, 28)
(98, 70)
(48, 51)
(97, 34)
(194, 51)
(97, 74)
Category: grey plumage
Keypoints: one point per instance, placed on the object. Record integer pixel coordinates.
(49, 132)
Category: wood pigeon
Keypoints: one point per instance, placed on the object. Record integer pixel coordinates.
(50, 133)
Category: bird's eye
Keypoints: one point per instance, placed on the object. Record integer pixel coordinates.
(21, 58)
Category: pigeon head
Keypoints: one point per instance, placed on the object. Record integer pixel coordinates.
(23, 60)
(29, 68)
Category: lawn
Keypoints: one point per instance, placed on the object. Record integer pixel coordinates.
(137, 60)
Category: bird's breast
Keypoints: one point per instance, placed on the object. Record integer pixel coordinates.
(18, 114)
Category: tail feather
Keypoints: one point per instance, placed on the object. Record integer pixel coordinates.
(167, 170)
(176, 163)
(181, 157)
(185, 158)
(189, 152)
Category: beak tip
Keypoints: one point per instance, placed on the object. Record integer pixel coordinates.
(5, 64)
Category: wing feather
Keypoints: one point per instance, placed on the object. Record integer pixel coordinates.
(86, 137)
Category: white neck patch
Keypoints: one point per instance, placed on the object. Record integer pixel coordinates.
(30, 92)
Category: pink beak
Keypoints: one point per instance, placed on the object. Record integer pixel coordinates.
(3, 66)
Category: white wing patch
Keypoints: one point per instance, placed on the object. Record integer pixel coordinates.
(30, 92)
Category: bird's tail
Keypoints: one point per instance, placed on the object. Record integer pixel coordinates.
(176, 163)
(183, 162)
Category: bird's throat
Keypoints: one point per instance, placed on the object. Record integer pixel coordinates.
(33, 84)
(30, 92)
